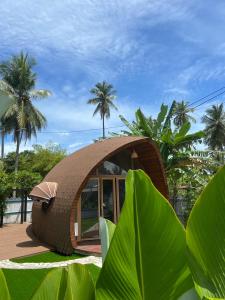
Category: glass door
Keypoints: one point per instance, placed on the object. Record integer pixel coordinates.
(108, 199)
(89, 228)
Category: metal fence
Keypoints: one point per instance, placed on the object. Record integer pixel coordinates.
(18, 210)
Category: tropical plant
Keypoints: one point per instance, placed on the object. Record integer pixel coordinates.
(151, 256)
(25, 180)
(104, 97)
(214, 121)
(5, 102)
(46, 157)
(38, 161)
(181, 113)
(172, 143)
(22, 118)
(4, 192)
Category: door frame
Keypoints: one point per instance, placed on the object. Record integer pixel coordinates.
(116, 205)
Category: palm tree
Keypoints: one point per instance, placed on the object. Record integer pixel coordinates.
(104, 96)
(22, 118)
(181, 114)
(214, 120)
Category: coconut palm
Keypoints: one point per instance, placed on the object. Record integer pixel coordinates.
(22, 118)
(182, 114)
(214, 121)
(104, 96)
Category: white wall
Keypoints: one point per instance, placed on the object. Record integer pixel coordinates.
(13, 211)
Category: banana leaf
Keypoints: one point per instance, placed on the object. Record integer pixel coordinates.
(206, 239)
(4, 292)
(147, 256)
(72, 282)
(107, 229)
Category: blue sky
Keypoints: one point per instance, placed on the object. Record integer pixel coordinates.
(151, 51)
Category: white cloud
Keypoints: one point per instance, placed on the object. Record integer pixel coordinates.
(91, 34)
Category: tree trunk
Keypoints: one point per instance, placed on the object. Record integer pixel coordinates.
(103, 126)
(1, 220)
(18, 139)
(3, 143)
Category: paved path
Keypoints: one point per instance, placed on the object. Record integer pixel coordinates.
(17, 240)
(7, 264)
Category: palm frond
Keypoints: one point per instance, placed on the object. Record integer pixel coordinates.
(40, 94)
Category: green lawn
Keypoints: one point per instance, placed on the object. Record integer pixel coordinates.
(22, 283)
(49, 256)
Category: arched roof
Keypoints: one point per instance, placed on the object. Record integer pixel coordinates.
(56, 225)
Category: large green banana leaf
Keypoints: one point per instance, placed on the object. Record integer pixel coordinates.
(147, 255)
(206, 239)
(4, 292)
(80, 284)
(73, 282)
(107, 229)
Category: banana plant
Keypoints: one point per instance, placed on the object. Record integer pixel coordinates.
(151, 256)
(173, 143)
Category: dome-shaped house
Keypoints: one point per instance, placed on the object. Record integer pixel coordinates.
(88, 184)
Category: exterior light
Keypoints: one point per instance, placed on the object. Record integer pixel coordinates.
(134, 154)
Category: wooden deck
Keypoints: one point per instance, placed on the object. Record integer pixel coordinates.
(17, 240)
(89, 248)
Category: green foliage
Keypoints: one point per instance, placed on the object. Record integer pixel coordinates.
(214, 121)
(104, 95)
(47, 157)
(5, 100)
(72, 282)
(107, 229)
(172, 143)
(4, 192)
(38, 161)
(181, 114)
(150, 255)
(22, 119)
(25, 180)
(146, 258)
(3, 287)
(206, 239)
(26, 161)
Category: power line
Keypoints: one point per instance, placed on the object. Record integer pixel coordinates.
(196, 101)
(209, 99)
(67, 132)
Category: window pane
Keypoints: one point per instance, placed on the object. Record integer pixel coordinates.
(108, 200)
(89, 210)
(121, 192)
(110, 168)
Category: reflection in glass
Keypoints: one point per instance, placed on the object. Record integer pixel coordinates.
(110, 168)
(121, 184)
(89, 210)
(107, 200)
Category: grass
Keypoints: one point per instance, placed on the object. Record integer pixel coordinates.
(49, 256)
(23, 283)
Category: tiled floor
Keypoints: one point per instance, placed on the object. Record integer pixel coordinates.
(17, 240)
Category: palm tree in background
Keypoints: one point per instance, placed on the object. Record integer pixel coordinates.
(22, 119)
(104, 96)
(214, 121)
(182, 114)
